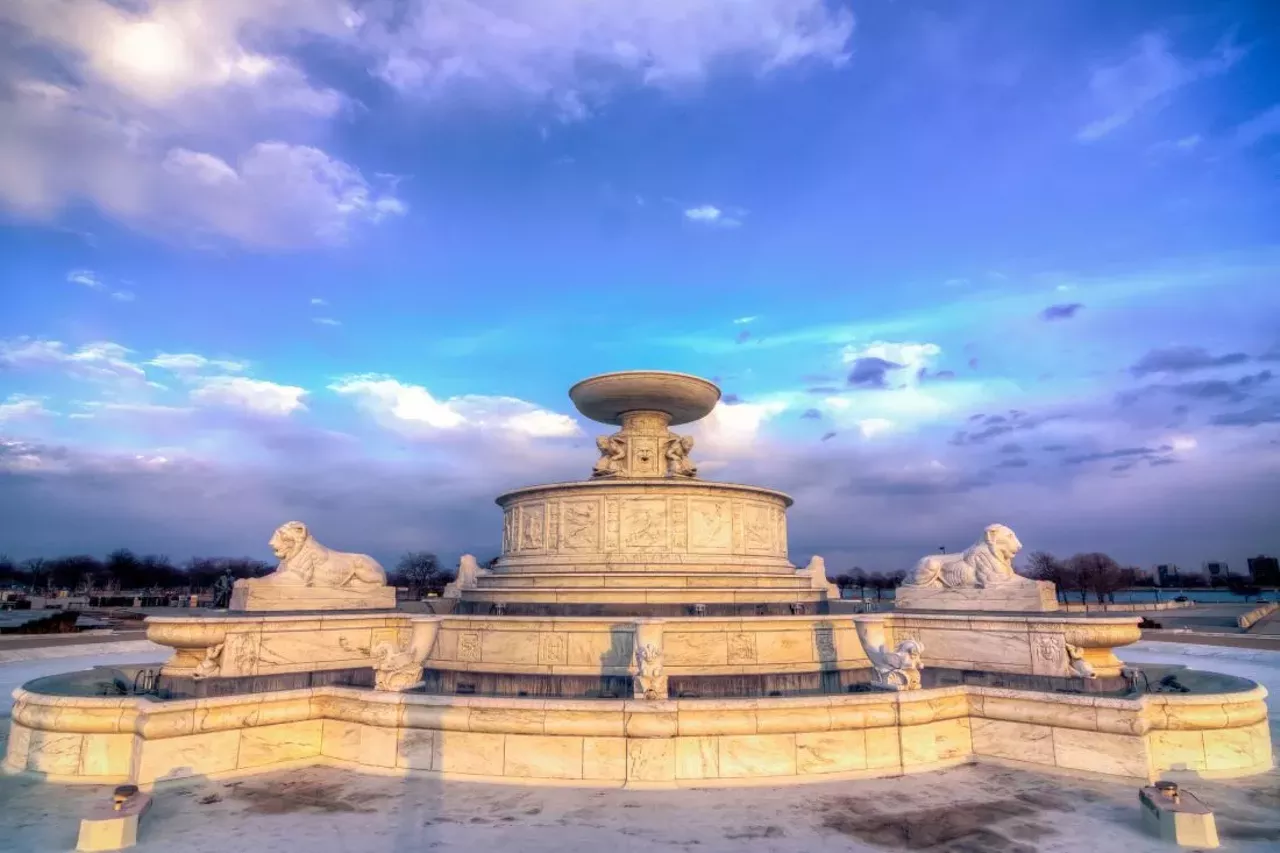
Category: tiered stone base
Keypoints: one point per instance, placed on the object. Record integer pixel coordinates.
(261, 597)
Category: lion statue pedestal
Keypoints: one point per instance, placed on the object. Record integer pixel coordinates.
(981, 579)
(313, 577)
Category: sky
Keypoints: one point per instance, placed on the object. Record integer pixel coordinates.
(340, 260)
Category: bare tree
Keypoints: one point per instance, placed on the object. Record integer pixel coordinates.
(419, 571)
(1043, 566)
(1099, 574)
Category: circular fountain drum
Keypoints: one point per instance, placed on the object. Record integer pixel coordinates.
(644, 536)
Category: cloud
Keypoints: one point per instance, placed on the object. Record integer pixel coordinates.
(1267, 412)
(326, 321)
(316, 300)
(709, 214)
(100, 360)
(811, 414)
(1147, 79)
(255, 396)
(1120, 453)
(906, 354)
(1183, 359)
(570, 59)
(1063, 311)
(743, 336)
(871, 427)
(1261, 126)
(1232, 390)
(412, 409)
(90, 279)
(189, 362)
(871, 371)
(22, 407)
(741, 320)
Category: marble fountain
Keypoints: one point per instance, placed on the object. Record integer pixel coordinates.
(643, 627)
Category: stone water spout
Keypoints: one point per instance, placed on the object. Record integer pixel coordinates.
(400, 668)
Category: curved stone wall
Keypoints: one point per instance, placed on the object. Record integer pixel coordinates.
(644, 525)
(636, 743)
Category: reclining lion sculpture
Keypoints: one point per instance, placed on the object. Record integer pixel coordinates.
(305, 562)
(988, 562)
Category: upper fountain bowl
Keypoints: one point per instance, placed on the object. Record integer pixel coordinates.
(606, 397)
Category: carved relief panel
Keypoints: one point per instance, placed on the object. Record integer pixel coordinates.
(710, 526)
(679, 514)
(509, 530)
(580, 526)
(533, 521)
(757, 529)
(644, 524)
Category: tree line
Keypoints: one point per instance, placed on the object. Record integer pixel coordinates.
(122, 570)
(862, 580)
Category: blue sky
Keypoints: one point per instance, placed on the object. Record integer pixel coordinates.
(951, 264)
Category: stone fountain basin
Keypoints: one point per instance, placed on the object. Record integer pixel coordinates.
(697, 742)
(605, 398)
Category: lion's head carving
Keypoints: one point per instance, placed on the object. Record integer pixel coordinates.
(1003, 543)
(288, 539)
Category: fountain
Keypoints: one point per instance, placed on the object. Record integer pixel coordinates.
(643, 627)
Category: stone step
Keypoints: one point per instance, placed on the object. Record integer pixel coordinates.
(616, 595)
(643, 580)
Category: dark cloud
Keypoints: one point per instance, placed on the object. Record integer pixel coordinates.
(1063, 311)
(1054, 448)
(1183, 359)
(1162, 460)
(743, 336)
(1229, 390)
(973, 364)
(811, 414)
(1121, 453)
(1011, 447)
(979, 416)
(871, 371)
(994, 426)
(924, 375)
(1012, 463)
(730, 399)
(824, 389)
(1268, 412)
(1272, 354)
(828, 435)
(914, 484)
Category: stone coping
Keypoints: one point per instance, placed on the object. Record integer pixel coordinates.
(615, 483)
(520, 622)
(88, 714)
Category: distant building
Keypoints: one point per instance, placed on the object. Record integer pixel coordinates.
(1167, 575)
(1264, 571)
(1216, 571)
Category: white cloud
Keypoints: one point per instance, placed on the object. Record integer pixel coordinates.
(188, 362)
(326, 321)
(1183, 443)
(733, 428)
(1147, 79)
(145, 97)
(251, 395)
(88, 278)
(101, 360)
(871, 427)
(316, 300)
(91, 280)
(569, 55)
(709, 214)
(412, 408)
(742, 320)
(1259, 127)
(22, 407)
(912, 356)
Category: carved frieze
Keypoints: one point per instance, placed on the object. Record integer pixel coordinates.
(469, 647)
(742, 648)
(533, 519)
(679, 515)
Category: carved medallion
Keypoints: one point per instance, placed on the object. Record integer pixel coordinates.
(469, 647)
(1049, 648)
(552, 650)
(645, 459)
(742, 648)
